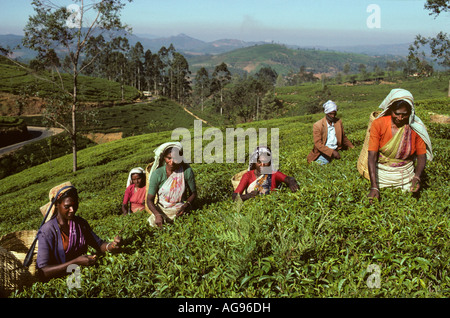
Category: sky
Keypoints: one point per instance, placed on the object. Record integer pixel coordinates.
(295, 22)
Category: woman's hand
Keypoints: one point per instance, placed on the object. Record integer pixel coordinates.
(183, 209)
(291, 183)
(86, 260)
(415, 185)
(374, 193)
(111, 246)
(159, 220)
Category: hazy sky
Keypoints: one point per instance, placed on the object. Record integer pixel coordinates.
(299, 22)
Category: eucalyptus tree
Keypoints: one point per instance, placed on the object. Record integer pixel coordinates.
(438, 45)
(180, 77)
(166, 77)
(119, 69)
(137, 63)
(105, 52)
(69, 30)
(150, 70)
(220, 78)
(202, 83)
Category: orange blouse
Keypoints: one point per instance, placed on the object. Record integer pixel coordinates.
(381, 133)
(65, 240)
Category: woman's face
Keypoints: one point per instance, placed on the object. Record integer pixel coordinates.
(172, 161)
(67, 208)
(138, 180)
(400, 116)
(263, 163)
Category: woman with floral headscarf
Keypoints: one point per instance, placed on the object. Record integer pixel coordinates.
(261, 178)
(397, 138)
(63, 240)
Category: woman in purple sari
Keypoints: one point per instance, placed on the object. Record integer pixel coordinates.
(64, 239)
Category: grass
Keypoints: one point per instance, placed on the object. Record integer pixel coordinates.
(317, 242)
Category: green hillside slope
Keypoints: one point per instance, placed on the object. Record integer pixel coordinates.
(283, 59)
(317, 242)
(18, 80)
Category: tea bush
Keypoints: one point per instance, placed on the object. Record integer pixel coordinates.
(316, 242)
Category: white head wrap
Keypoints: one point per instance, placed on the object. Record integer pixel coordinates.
(255, 155)
(329, 107)
(133, 171)
(160, 151)
(415, 122)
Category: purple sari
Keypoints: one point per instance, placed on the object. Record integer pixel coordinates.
(50, 243)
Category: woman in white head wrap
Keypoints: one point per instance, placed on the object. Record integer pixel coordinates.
(135, 191)
(261, 178)
(397, 137)
(169, 180)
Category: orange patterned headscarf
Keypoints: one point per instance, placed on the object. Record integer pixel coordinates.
(58, 190)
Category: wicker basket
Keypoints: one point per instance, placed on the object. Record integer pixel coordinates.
(362, 165)
(237, 178)
(13, 249)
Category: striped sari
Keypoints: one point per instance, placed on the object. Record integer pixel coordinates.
(395, 168)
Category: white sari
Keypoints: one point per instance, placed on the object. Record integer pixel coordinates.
(169, 196)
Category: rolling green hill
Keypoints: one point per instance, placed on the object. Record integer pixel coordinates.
(317, 242)
(22, 81)
(283, 60)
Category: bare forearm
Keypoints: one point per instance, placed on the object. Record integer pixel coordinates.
(151, 205)
(244, 197)
(420, 167)
(371, 163)
(53, 271)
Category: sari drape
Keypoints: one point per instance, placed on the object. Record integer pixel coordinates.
(137, 199)
(262, 184)
(170, 196)
(77, 241)
(395, 168)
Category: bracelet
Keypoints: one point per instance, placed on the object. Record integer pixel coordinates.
(375, 189)
(416, 177)
(189, 203)
(107, 246)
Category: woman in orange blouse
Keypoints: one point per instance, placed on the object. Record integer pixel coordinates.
(397, 138)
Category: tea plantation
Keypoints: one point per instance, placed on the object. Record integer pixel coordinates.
(318, 242)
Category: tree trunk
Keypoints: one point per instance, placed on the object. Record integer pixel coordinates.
(74, 123)
(257, 107)
(221, 101)
(121, 83)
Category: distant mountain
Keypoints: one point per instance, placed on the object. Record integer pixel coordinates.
(186, 44)
(11, 41)
(376, 50)
(249, 57)
(284, 60)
